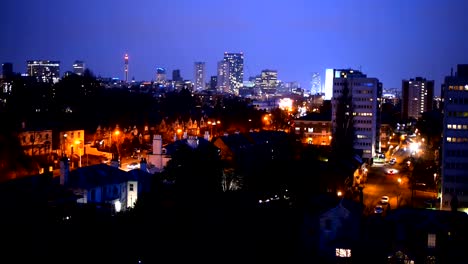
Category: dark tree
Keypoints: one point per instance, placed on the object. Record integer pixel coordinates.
(343, 138)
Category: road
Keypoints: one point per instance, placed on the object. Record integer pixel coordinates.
(395, 185)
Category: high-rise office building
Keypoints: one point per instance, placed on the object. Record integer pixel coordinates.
(44, 70)
(365, 96)
(454, 151)
(269, 79)
(160, 75)
(213, 82)
(236, 71)
(223, 85)
(176, 77)
(7, 70)
(417, 95)
(199, 70)
(78, 67)
(316, 84)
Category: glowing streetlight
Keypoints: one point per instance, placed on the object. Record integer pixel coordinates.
(78, 146)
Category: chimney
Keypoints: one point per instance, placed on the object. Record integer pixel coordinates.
(64, 170)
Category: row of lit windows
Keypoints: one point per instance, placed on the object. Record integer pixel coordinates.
(458, 100)
(32, 138)
(355, 84)
(362, 114)
(458, 87)
(361, 136)
(457, 114)
(457, 139)
(457, 153)
(457, 126)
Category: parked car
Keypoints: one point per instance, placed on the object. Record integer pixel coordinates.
(378, 209)
(384, 199)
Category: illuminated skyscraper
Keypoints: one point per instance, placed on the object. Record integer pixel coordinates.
(199, 70)
(78, 67)
(126, 67)
(160, 75)
(44, 70)
(269, 79)
(316, 87)
(236, 70)
(417, 95)
(223, 77)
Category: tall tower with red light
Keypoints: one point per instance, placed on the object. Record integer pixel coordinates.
(126, 67)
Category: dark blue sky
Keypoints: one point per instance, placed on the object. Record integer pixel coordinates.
(389, 40)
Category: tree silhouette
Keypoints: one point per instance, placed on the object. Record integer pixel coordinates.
(342, 144)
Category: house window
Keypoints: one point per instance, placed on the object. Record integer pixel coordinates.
(431, 240)
(343, 253)
(131, 187)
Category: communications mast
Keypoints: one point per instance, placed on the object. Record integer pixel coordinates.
(126, 67)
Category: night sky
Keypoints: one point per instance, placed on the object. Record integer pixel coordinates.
(390, 40)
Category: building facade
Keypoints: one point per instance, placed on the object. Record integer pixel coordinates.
(44, 70)
(365, 96)
(454, 152)
(79, 67)
(417, 97)
(200, 72)
(236, 71)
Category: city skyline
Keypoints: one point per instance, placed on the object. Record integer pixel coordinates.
(390, 40)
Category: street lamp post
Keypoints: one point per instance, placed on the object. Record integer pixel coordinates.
(78, 145)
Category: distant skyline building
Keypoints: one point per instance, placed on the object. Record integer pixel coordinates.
(236, 70)
(223, 84)
(454, 150)
(365, 96)
(316, 84)
(79, 67)
(329, 76)
(200, 72)
(213, 82)
(7, 70)
(160, 75)
(269, 79)
(126, 67)
(417, 96)
(176, 77)
(44, 70)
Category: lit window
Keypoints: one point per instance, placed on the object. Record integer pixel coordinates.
(343, 253)
(431, 240)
